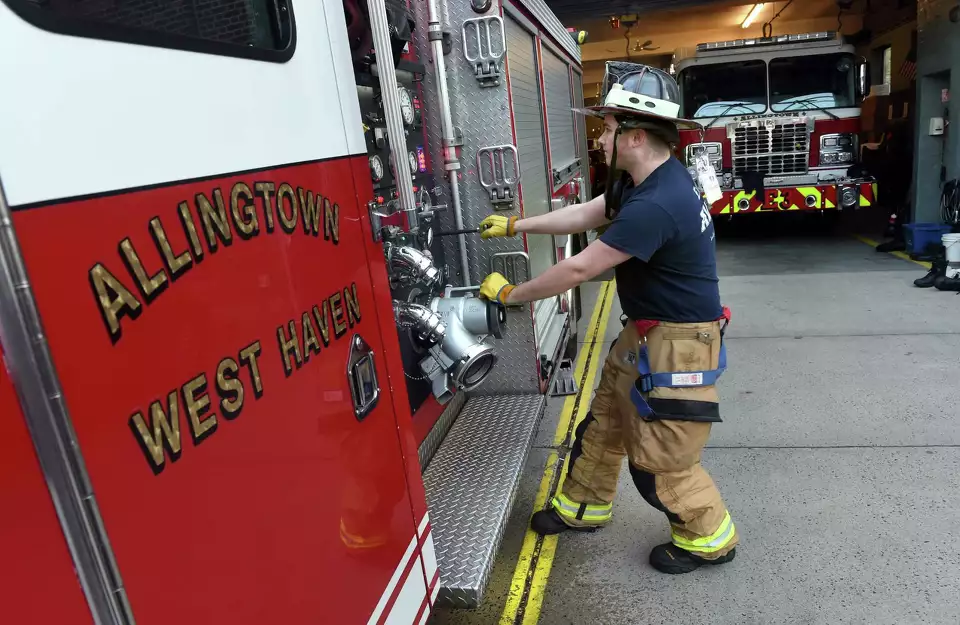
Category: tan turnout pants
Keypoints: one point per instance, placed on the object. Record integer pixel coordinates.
(663, 451)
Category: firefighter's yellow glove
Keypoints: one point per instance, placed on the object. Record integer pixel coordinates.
(498, 226)
(496, 288)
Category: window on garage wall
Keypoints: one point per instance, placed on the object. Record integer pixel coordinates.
(260, 29)
(881, 68)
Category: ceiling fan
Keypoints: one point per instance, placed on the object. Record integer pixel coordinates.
(646, 46)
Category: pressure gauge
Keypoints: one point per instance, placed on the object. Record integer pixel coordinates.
(406, 105)
(413, 162)
(376, 168)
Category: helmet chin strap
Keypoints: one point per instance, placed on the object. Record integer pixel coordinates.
(616, 180)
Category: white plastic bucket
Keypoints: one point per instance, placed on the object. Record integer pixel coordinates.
(951, 242)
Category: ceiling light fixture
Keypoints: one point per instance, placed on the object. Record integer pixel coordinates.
(752, 15)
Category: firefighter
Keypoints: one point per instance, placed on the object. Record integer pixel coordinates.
(657, 398)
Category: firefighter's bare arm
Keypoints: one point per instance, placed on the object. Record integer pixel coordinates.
(568, 273)
(568, 220)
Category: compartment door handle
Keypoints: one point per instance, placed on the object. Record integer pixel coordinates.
(362, 376)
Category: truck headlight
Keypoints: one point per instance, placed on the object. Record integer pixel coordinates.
(714, 152)
(838, 149)
(849, 197)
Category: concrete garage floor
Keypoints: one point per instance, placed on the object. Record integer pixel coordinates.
(839, 458)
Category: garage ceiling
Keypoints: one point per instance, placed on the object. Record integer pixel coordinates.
(676, 26)
(571, 10)
(667, 31)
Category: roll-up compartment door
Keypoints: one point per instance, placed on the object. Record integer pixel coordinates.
(581, 125)
(560, 120)
(531, 147)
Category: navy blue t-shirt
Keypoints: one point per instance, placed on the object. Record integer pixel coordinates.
(666, 227)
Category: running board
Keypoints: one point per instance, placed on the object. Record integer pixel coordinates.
(471, 485)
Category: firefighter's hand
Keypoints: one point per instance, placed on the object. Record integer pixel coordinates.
(498, 226)
(496, 288)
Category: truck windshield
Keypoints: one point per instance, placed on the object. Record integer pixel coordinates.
(809, 82)
(738, 88)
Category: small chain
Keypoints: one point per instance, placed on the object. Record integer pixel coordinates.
(416, 379)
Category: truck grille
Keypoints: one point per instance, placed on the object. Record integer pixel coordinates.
(772, 150)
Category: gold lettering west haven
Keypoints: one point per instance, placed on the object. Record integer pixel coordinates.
(298, 339)
(158, 433)
(163, 433)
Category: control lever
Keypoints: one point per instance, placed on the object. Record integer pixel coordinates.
(455, 233)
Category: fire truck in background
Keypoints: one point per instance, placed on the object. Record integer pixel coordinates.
(781, 119)
(247, 377)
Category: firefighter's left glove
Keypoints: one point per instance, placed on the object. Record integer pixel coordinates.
(498, 226)
(496, 288)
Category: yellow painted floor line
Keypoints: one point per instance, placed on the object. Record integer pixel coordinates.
(530, 576)
(902, 255)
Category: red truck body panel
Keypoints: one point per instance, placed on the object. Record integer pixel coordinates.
(38, 581)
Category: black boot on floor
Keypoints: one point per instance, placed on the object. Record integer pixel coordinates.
(548, 522)
(892, 246)
(943, 283)
(670, 559)
(938, 270)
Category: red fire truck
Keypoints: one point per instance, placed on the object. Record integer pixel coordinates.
(781, 119)
(246, 375)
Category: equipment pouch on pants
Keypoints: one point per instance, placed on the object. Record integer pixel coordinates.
(678, 367)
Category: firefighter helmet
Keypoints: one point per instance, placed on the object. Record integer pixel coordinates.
(636, 93)
(639, 97)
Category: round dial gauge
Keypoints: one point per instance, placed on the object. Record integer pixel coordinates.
(413, 162)
(406, 105)
(376, 168)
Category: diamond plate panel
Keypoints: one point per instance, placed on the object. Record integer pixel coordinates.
(471, 489)
(432, 442)
(483, 115)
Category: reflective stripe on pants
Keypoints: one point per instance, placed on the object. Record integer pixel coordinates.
(579, 513)
(664, 455)
(709, 544)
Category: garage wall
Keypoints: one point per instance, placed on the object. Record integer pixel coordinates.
(938, 67)
(899, 40)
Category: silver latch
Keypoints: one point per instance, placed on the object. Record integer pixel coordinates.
(484, 45)
(492, 167)
(514, 266)
(565, 174)
(376, 220)
(362, 377)
(581, 192)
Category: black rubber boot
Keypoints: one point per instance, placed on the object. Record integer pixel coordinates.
(938, 269)
(547, 522)
(892, 246)
(943, 283)
(672, 560)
